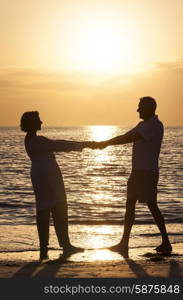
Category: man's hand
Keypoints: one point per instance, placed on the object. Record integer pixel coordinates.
(101, 145)
(95, 145)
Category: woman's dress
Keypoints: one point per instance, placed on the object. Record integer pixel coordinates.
(46, 177)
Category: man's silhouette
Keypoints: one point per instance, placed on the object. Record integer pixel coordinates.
(142, 184)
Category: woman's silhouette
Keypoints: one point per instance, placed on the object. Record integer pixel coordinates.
(48, 183)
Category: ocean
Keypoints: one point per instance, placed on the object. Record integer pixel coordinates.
(95, 182)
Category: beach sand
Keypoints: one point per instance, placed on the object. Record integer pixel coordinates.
(19, 255)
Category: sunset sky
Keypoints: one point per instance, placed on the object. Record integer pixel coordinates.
(87, 62)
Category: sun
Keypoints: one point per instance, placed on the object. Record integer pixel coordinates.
(102, 48)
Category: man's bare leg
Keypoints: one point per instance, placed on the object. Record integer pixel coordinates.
(122, 247)
(159, 220)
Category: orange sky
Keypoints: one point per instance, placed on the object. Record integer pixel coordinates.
(88, 62)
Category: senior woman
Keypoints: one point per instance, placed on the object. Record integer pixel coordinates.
(48, 183)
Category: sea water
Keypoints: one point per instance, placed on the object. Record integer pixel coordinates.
(95, 182)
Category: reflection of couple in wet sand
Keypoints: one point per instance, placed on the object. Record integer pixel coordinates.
(49, 188)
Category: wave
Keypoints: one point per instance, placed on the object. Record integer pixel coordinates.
(15, 205)
(157, 234)
(59, 248)
(27, 250)
(31, 221)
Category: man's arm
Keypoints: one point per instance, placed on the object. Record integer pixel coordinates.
(124, 139)
(120, 140)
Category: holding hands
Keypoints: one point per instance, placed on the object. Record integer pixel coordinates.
(95, 145)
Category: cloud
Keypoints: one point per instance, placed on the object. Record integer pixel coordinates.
(107, 99)
(176, 64)
(42, 79)
(6, 84)
(59, 81)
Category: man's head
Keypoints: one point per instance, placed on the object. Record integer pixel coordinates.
(146, 108)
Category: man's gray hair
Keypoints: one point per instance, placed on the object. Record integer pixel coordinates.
(149, 102)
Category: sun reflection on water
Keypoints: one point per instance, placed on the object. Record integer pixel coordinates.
(96, 255)
(99, 159)
(102, 255)
(101, 133)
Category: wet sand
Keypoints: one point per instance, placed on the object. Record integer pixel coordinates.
(19, 256)
(25, 265)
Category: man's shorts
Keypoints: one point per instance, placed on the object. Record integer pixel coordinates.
(142, 186)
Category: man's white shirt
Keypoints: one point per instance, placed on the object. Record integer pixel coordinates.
(146, 150)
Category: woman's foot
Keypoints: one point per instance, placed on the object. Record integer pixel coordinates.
(71, 250)
(164, 248)
(121, 249)
(43, 255)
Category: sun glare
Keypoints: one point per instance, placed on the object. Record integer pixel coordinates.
(102, 48)
(101, 133)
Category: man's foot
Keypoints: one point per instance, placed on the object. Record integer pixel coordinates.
(121, 249)
(164, 248)
(71, 250)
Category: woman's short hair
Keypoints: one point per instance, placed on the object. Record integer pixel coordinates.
(27, 122)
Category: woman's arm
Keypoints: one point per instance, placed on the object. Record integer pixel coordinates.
(64, 145)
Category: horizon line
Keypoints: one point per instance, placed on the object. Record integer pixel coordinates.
(86, 125)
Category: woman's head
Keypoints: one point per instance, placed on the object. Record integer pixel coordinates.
(30, 121)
